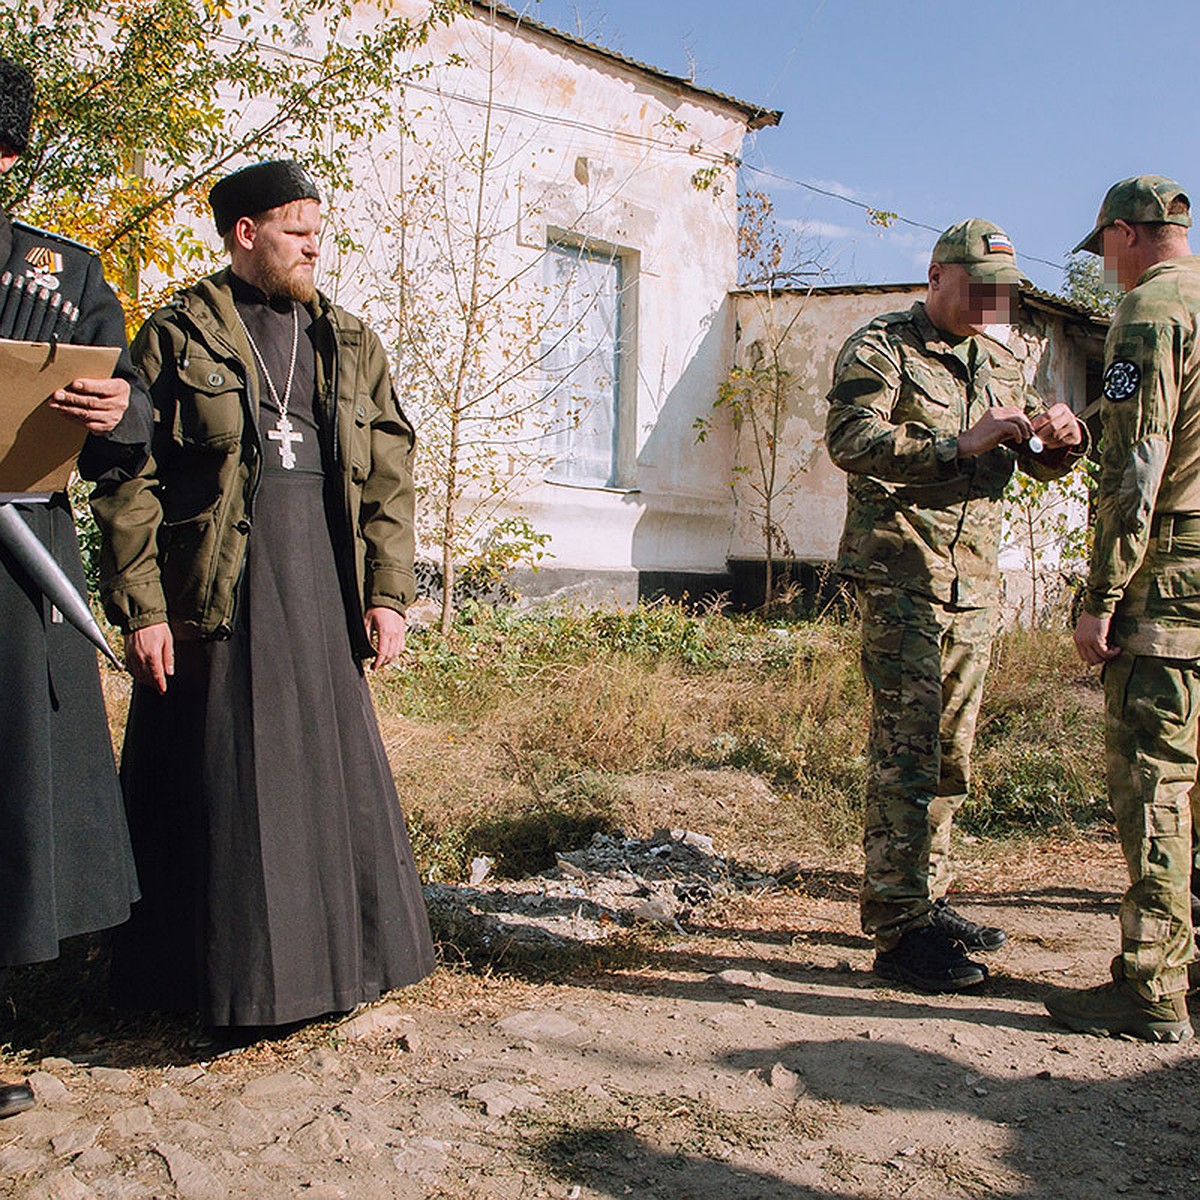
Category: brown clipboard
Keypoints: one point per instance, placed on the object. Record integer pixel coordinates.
(38, 446)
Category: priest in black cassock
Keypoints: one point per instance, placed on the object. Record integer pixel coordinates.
(263, 554)
(65, 861)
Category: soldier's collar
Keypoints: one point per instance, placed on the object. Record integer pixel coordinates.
(935, 339)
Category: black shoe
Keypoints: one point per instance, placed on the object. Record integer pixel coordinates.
(964, 931)
(926, 958)
(15, 1098)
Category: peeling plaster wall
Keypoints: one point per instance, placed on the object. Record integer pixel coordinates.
(1053, 351)
(809, 329)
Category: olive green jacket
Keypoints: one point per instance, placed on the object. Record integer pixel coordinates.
(1144, 571)
(918, 517)
(174, 537)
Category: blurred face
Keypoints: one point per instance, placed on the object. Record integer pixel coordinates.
(964, 305)
(1122, 266)
(8, 156)
(278, 252)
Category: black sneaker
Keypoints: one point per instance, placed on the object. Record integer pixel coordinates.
(926, 958)
(964, 931)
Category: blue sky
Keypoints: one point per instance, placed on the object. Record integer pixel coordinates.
(1022, 112)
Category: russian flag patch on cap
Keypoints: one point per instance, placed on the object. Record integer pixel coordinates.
(997, 243)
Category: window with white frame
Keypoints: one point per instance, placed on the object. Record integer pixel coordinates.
(583, 415)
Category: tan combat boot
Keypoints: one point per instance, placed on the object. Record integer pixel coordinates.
(1116, 1008)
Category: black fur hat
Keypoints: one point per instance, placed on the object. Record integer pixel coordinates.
(257, 188)
(16, 105)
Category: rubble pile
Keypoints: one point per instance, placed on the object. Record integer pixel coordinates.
(591, 894)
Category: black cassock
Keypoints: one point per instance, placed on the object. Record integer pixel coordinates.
(277, 875)
(65, 864)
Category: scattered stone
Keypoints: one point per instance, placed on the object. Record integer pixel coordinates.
(963, 1037)
(246, 1130)
(871, 1035)
(547, 1026)
(58, 1064)
(591, 894)
(62, 1185)
(192, 1179)
(381, 1018)
(95, 1158)
(754, 979)
(165, 1099)
(274, 1087)
(16, 1161)
(661, 909)
(37, 1124)
(500, 1099)
(325, 1062)
(48, 1089)
(481, 868)
(423, 1158)
(114, 1079)
(132, 1122)
(191, 1131)
(321, 1139)
(698, 841)
(75, 1140)
(410, 1042)
(780, 1077)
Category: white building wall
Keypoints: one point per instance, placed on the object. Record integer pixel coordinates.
(591, 150)
(1053, 351)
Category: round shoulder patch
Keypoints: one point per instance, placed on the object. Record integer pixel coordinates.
(1122, 379)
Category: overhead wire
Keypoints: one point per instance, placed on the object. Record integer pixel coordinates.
(891, 217)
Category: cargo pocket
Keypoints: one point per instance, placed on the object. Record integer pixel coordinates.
(210, 407)
(186, 564)
(1175, 593)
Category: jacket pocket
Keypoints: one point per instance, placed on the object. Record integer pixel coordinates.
(360, 441)
(1175, 592)
(186, 554)
(209, 416)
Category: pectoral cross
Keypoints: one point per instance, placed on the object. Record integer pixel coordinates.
(285, 435)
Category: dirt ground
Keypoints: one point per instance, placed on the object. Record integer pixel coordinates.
(738, 1049)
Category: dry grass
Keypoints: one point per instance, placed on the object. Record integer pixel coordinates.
(521, 736)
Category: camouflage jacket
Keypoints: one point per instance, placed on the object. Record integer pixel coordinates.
(1145, 566)
(917, 517)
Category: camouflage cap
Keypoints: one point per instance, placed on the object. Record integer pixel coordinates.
(1142, 200)
(983, 248)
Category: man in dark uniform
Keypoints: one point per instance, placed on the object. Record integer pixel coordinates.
(65, 861)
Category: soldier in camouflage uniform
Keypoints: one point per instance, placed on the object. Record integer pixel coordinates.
(930, 416)
(1141, 610)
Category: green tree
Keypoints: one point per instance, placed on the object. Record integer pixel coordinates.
(141, 103)
(760, 393)
(1085, 284)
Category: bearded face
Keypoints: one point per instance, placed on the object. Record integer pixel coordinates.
(282, 255)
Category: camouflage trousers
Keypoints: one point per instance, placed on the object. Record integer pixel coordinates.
(1152, 717)
(924, 663)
